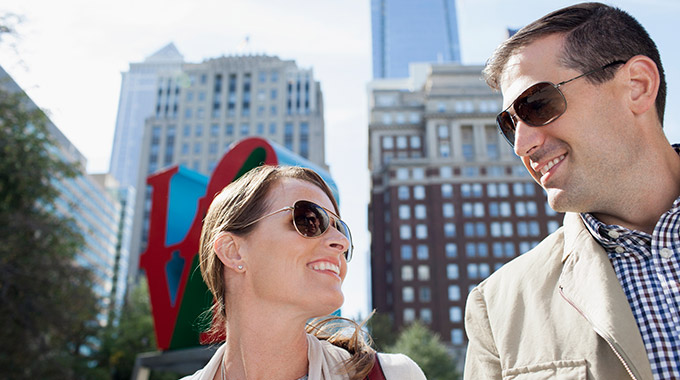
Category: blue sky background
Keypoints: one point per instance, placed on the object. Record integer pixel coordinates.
(70, 55)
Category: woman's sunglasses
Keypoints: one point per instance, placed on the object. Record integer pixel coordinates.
(539, 105)
(311, 220)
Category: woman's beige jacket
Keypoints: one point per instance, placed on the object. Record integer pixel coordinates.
(325, 359)
(556, 312)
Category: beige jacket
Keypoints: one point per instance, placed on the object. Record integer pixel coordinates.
(324, 359)
(556, 312)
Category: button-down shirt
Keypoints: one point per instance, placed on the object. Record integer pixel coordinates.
(648, 268)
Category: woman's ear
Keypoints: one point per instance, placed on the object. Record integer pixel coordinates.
(644, 80)
(227, 250)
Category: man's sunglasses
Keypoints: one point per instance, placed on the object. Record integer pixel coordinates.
(311, 220)
(539, 105)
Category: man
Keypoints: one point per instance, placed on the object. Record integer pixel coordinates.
(599, 298)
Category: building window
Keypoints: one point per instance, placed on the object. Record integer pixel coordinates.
(503, 190)
(454, 293)
(405, 232)
(452, 271)
(451, 250)
(447, 190)
(455, 314)
(245, 129)
(445, 172)
(406, 252)
(420, 211)
(449, 230)
(505, 209)
(419, 192)
(421, 231)
(457, 336)
(402, 192)
(496, 229)
(447, 210)
(422, 252)
(507, 229)
(467, 210)
(484, 270)
(409, 315)
(404, 212)
(415, 142)
(443, 131)
(407, 294)
(407, 273)
(402, 142)
(470, 249)
(425, 294)
(472, 271)
(402, 173)
(553, 226)
(426, 315)
(418, 173)
(509, 249)
(387, 142)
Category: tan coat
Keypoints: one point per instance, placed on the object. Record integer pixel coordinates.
(324, 361)
(556, 312)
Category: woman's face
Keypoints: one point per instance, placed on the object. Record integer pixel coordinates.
(283, 267)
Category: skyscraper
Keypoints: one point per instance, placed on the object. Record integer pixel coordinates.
(97, 205)
(136, 103)
(406, 31)
(201, 111)
(450, 202)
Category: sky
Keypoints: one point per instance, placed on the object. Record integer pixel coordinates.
(70, 54)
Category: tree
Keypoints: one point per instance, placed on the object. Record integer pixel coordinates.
(133, 335)
(382, 331)
(47, 308)
(425, 348)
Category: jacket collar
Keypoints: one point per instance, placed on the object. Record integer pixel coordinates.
(589, 283)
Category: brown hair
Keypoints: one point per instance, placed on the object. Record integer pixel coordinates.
(233, 210)
(595, 35)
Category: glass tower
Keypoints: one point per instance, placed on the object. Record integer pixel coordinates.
(406, 31)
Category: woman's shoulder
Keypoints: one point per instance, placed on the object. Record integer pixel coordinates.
(399, 366)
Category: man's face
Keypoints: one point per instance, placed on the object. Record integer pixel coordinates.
(580, 159)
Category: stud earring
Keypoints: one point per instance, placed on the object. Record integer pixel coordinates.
(240, 267)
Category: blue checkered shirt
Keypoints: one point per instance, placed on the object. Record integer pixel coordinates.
(648, 267)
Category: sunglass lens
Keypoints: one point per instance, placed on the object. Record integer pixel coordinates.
(507, 126)
(540, 104)
(344, 229)
(310, 219)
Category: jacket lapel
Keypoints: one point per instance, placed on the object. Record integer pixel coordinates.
(589, 283)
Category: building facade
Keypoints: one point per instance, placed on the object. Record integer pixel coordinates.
(99, 215)
(407, 31)
(136, 103)
(450, 202)
(200, 112)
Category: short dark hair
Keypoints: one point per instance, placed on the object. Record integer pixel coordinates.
(595, 35)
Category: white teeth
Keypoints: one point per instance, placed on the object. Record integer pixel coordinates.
(324, 265)
(550, 164)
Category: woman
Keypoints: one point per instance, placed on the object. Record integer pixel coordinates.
(274, 254)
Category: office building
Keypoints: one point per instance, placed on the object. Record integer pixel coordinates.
(407, 31)
(201, 111)
(99, 215)
(450, 202)
(136, 103)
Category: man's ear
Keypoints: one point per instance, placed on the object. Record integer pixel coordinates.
(643, 80)
(227, 249)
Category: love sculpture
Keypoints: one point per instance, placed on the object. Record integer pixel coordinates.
(179, 202)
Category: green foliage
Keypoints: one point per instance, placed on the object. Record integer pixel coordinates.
(425, 348)
(133, 335)
(382, 331)
(47, 308)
